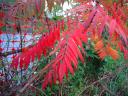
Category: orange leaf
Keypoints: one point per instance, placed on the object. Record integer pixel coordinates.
(112, 52)
(99, 45)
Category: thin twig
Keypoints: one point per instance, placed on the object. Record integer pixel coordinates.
(46, 19)
(39, 90)
(102, 92)
(106, 89)
(34, 77)
(118, 70)
(103, 78)
(5, 54)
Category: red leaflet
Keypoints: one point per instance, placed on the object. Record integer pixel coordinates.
(21, 61)
(48, 78)
(1, 49)
(92, 14)
(125, 53)
(38, 4)
(122, 33)
(27, 61)
(62, 25)
(66, 73)
(62, 71)
(1, 41)
(1, 24)
(84, 37)
(1, 32)
(55, 74)
(71, 56)
(72, 48)
(57, 31)
(39, 51)
(77, 40)
(68, 22)
(112, 26)
(102, 25)
(15, 62)
(75, 49)
(2, 14)
(32, 51)
(69, 65)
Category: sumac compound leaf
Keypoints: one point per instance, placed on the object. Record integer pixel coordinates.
(67, 55)
(41, 47)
